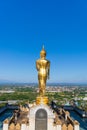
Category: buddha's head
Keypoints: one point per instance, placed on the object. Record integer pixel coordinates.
(43, 53)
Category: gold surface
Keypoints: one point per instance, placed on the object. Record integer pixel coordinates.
(42, 66)
(42, 100)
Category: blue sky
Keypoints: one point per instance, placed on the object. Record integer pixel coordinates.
(61, 25)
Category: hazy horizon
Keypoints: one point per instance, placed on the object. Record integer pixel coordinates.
(62, 83)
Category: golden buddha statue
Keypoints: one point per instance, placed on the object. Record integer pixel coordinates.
(43, 66)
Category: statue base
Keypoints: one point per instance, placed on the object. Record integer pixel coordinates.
(42, 100)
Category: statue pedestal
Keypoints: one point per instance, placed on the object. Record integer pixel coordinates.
(42, 100)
